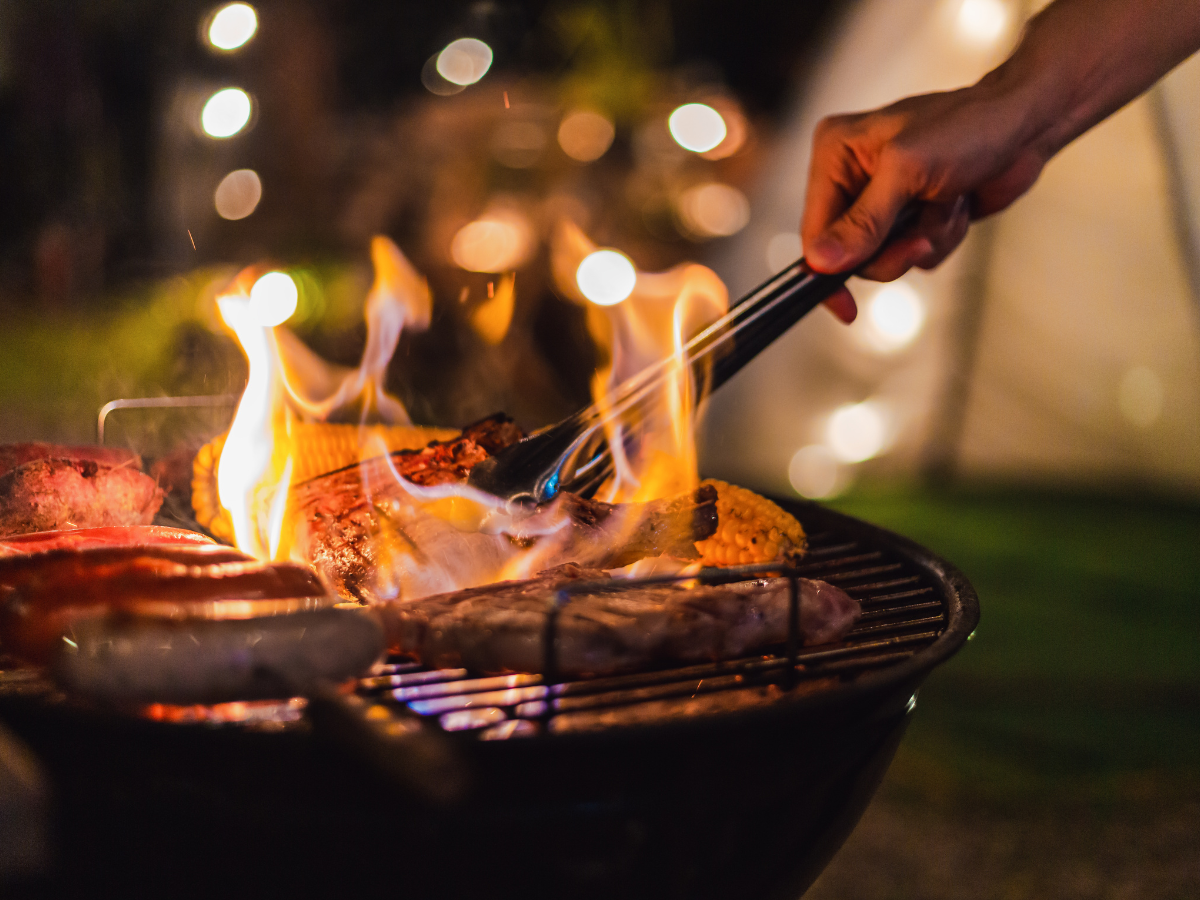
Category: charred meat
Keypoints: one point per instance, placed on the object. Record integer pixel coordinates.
(601, 631)
(46, 494)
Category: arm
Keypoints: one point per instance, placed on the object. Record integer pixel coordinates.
(969, 153)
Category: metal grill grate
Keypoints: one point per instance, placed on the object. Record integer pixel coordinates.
(902, 612)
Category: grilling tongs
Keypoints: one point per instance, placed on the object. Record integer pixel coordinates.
(574, 455)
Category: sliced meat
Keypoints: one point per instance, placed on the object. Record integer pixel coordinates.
(50, 494)
(502, 627)
(13, 455)
(42, 594)
(110, 536)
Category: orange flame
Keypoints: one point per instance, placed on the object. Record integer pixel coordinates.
(288, 383)
(654, 453)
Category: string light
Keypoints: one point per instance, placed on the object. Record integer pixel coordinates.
(814, 472)
(232, 26)
(856, 431)
(982, 21)
(894, 316)
(226, 113)
(585, 135)
(498, 242)
(697, 127)
(273, 299)
(713, 209)
(606, 277)
(238, 194)
(464, 61)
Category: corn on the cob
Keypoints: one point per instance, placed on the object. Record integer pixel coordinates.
(317, 448)
(750, 529)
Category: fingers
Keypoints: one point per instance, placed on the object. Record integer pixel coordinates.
(858, 233)
(843, 306)
(940, 228)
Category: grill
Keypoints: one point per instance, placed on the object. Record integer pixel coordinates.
(733, 779)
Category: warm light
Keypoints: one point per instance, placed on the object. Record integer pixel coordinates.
(498, 242)
(895, 316)
(982, 21)
(783, 250)
(1140, 396)
(238, 194)
(856, 431)
(519, 144)
(273, 299)
(697, 127)
(713, 209)
(814, 472)
(464, 61)
(226, 113)
(585, 135)
(232, 26)
(606, 277)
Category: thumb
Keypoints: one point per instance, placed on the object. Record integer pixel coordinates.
(856, 235)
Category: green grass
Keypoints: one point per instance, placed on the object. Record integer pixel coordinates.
(1083, 679)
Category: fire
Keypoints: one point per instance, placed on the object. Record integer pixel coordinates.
(654, 449)
(448, 536)
(288, 384)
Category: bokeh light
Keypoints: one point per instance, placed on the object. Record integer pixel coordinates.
(815, 473)
(497, 242)
(232, 26)
(238, 194)
(857, 431)
(983, 21)
(585, 135)
(697, 127)
(1140, 396)
(519, 144)
(226, 113)
(464, 61)
(783, 249)
(713, 209)
(606, 277)
(273, 298)
(894, 316)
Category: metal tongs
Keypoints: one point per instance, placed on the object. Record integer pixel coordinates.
(574, 455)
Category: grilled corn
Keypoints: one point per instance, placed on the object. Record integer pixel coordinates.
(750, 529)
(319, 447)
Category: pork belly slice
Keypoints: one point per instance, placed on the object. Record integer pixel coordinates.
(50, 494)
(106, 536)
(502, 627)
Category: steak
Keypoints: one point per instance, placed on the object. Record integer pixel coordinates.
(46, 494)
(13, 455)
(502, 627)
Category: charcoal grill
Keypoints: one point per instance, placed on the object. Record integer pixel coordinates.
(733, 779)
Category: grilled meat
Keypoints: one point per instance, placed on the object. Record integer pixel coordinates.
(110, 536)
(13, 455)
(502, 627)
(46, 494)
(363, 530)
(42, 594)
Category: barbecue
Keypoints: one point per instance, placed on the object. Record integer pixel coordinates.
(610, 676)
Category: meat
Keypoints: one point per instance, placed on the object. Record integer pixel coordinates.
(502, 627)
(43, 594)
(13, 455)
(110, 536)
(46, 494)
(375, 541)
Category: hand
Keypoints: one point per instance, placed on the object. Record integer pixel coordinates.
(960, 154)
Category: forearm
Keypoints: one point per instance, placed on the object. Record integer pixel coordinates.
(1081, 60)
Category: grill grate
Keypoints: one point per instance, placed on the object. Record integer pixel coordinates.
(902, 613)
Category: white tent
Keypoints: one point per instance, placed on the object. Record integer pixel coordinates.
(1060, 344)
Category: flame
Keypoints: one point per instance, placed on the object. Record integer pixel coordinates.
(654, 451)
(289, 384)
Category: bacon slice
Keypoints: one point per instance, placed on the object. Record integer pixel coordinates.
(502, 627)
(110, 536)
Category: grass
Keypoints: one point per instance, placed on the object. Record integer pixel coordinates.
(1083, 680)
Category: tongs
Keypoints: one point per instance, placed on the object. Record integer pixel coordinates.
(574, 455)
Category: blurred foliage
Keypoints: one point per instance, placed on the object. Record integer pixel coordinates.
(1082, 682)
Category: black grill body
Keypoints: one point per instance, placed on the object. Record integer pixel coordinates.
(746, 800)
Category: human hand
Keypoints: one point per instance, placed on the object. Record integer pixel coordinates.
(962, 155)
